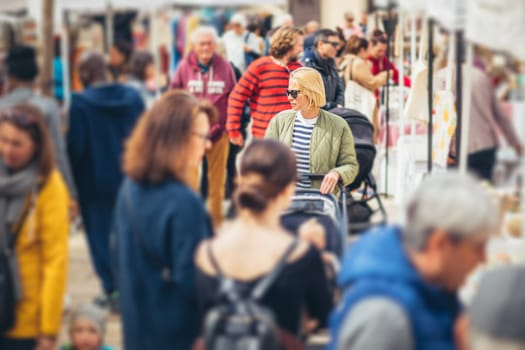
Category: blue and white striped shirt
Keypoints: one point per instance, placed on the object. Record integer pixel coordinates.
(302, 135)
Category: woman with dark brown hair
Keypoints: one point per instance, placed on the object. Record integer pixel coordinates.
(355, 66)
(250, 247)
(34, 225)
(159, 221)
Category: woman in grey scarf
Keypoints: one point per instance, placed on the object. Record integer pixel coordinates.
(34, 221)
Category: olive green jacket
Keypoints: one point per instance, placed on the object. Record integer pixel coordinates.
(331, 147)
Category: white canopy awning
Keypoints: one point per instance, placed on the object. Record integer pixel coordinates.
(13, 5)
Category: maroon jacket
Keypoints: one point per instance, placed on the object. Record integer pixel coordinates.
(215, 85)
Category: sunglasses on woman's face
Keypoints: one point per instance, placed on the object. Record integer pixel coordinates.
(293, 93)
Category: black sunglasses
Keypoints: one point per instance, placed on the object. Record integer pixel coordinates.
(293, 93)
(333, 43)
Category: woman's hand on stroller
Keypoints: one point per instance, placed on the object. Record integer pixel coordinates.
(329, 182)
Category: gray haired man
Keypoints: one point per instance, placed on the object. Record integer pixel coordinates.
(400, 284)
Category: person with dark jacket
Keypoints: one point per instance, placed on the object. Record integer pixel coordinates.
(100, 119)
(207, 75)
(322, 58)
(400, 284)
(159, 222)
(22, 70)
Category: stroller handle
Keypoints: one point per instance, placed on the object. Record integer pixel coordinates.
(342, 201)
(320, 176)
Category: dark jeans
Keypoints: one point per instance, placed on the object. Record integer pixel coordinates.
(482, 163)
(97, 222)
(17, 344)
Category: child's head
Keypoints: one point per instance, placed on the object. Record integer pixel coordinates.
(87, 328)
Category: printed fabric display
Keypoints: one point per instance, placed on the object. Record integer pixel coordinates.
(444, 126)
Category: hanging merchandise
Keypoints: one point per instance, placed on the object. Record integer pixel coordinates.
(444, 114)
(497, 24)
(450, 14)
(417, 103)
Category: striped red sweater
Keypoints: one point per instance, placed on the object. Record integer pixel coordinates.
(264, 84)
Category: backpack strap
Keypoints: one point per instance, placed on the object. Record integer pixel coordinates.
(213, 261)
(260, 289)
(165, 270)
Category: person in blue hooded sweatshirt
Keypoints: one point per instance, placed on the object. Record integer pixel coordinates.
(100, 119)
(400, 284)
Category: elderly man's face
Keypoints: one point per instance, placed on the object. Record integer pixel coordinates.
(204, 47)
(455, 258)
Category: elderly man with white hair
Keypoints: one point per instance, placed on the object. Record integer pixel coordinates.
(400, 284)
(242, 46)
(207, 75)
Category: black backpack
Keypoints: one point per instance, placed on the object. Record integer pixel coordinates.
(241, 322)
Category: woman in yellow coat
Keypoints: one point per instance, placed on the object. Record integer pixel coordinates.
(33, 210)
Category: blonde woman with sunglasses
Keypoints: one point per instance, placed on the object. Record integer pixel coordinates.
(322, 141)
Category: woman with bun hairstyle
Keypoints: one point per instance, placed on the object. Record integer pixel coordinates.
(249, 247)
(355, 65)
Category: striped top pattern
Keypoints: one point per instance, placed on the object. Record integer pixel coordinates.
(264, 84)
(302, 135)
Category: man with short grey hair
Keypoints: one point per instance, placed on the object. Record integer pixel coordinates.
(207, 75)
(400, 284)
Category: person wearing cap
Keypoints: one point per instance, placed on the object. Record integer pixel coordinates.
(400, 283)
(22, 70)
(321, 57)
(87, 329)
(497, 312)
(242, 46)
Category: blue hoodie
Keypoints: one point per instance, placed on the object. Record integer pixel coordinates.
(100, 119)
(378, 266)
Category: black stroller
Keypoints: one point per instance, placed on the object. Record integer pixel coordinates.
(325, 208)
(360, 206)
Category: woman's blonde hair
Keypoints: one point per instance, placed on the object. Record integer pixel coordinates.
(311, 85)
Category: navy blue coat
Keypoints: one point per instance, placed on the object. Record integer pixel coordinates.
(162, 230)
(100, 119)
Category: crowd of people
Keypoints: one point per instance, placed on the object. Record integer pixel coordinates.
(129, 162)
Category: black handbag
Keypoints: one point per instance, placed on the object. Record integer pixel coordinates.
(9, 276)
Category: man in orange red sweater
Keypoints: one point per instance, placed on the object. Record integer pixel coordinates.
(264, 85)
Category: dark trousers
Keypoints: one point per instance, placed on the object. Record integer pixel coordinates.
(482, 163)
(97, 218)
(231, 170)
(17, 344)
